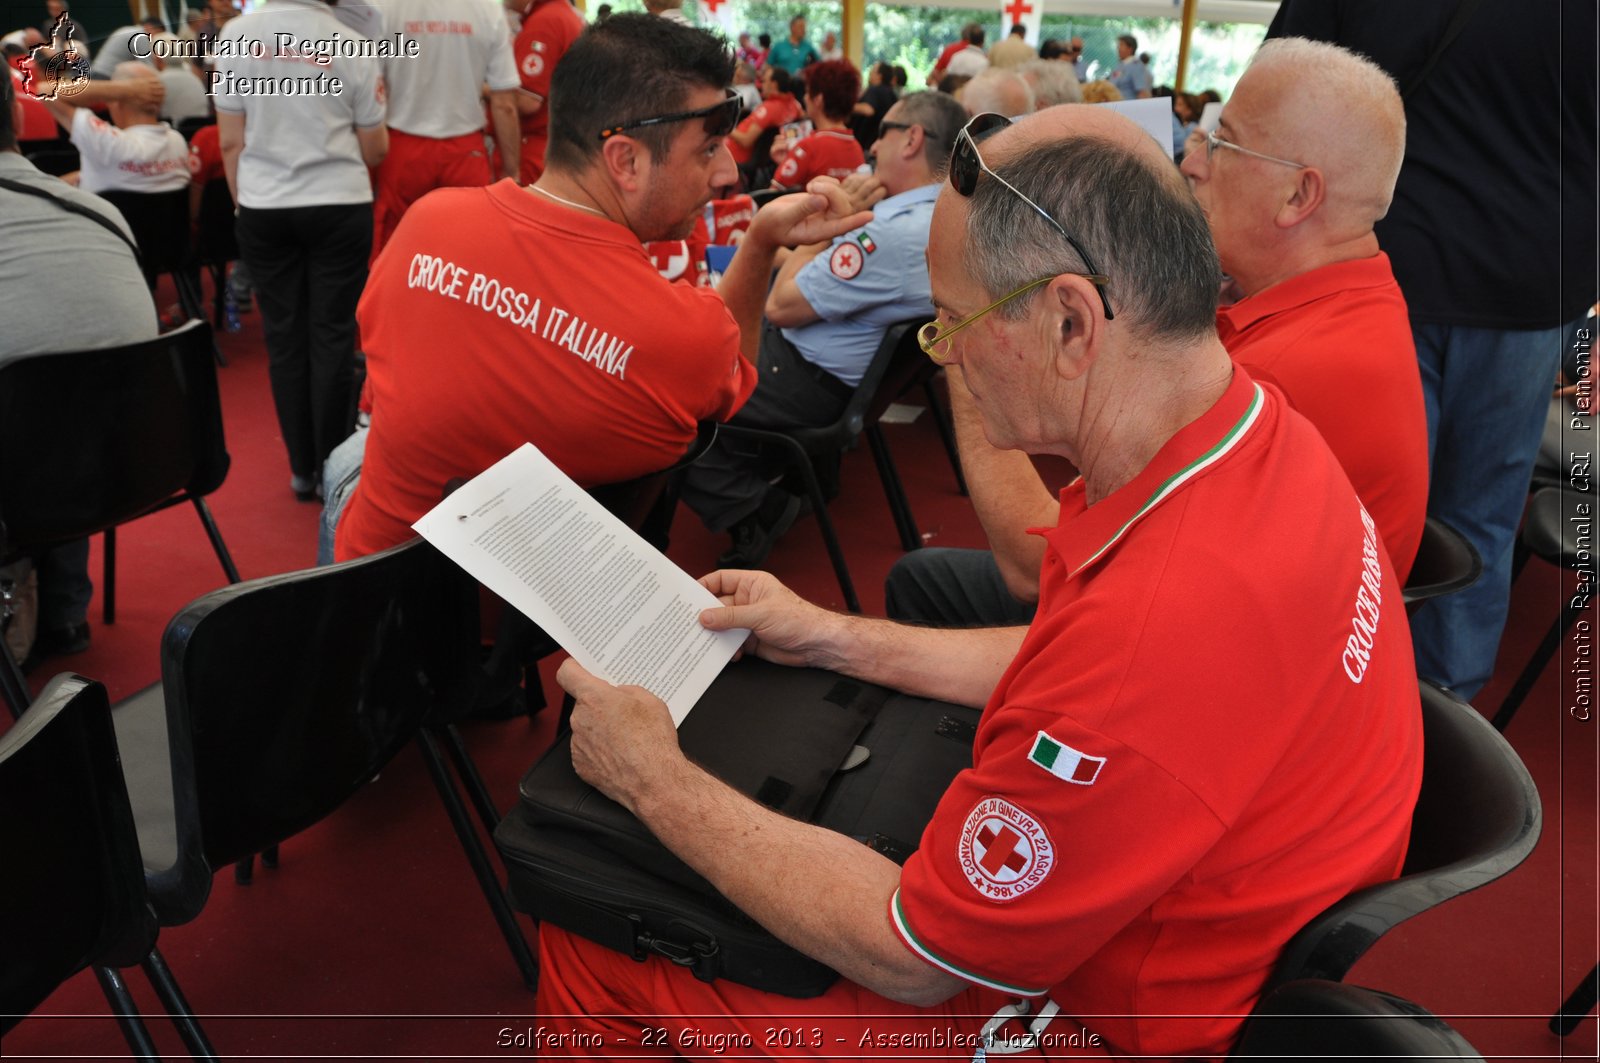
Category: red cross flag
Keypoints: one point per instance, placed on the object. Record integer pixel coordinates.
(1028, 12)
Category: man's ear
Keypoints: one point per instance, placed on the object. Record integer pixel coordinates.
(1309, 193)
(1076, 323)
(624, 159)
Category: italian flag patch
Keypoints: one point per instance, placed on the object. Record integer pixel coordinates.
(1064, 762)
(866, 243)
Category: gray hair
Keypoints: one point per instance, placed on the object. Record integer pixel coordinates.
(1141, 226)
(941, 117)
(1053, 83)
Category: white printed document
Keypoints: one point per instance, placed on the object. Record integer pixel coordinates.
(523, 529)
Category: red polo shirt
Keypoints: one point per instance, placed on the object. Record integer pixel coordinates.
(1337, 342)
(496, 317)
(1209, 734)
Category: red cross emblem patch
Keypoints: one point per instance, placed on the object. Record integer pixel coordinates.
(1004, 851)
(845, 261)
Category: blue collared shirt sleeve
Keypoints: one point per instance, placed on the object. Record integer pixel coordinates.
(894, 272)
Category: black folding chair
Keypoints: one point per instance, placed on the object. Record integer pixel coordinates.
(1315, 1019)
(75, 892)
(160, 225)
(215, 244)
(1446, 562)
(282, 697)
(93, 439)
(1477, 817)
(898, 365)
(1555, 528)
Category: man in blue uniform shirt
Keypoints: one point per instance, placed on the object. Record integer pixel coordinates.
(825, 316)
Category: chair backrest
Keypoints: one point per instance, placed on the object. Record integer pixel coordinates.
(215, 242)
(74, 886)
(286, 695)
(91, 439)
(1315, 1019)
(1477, 817)
(898, 360)
(160, 225)
(1446, 562)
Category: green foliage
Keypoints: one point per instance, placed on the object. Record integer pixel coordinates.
(912, 37)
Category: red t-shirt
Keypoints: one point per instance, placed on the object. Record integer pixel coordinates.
(950, 50)
(495, 317)
(1337, 342)
(829, 152)
(205, 156)
(548, 30)
(1211, 732)
(773, 112)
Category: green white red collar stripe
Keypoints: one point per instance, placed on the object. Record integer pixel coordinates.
(917, 945)
(1210, 457)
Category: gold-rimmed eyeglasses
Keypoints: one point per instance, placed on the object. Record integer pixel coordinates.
(935, 342)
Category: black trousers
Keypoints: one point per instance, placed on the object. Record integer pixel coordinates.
(309, 265)
(727, 483)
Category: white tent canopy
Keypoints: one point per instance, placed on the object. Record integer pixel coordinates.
(1260, 11)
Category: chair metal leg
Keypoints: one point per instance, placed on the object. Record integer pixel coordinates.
(947, 434)
(12, 684)
(830, 538)
(108, 577)
(1577, 1007)
(471, 779)
(269, 857)
(215, 535)
(481, 868)
(172, 998)
(127, 1012)
(244, 872)
(893, 489)
(1536, 666)
(219, 306)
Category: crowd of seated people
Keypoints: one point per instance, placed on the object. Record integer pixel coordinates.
(487, 223)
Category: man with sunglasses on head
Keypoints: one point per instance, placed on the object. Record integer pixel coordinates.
(1152, 809)
(1291, 183)
(501, 315)
(825, 316)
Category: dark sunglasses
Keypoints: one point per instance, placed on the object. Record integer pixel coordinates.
(887, 127)
(720, 118)
(966, 165)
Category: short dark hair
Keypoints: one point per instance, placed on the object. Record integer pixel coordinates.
(1130, 40)
(782, 79)
(1052, 47)
(838, 83)
(941, 117)
(765, 40)
(8, 132)
(975, 35)
(1018, 29)
(1140, 223)
(629, 67)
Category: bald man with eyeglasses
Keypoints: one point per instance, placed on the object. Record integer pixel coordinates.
(1112, 875)
(1291, 183)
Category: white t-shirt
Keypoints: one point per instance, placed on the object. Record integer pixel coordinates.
(300, 147)
(462, 44)
(969, 62)
(141, 158)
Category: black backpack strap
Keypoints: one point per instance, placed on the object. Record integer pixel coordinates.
(76, 208)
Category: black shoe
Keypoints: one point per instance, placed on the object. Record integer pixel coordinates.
(57, 642)
(755, 536)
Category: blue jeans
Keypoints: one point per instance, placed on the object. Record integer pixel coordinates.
(340, 474)
(1487, 393)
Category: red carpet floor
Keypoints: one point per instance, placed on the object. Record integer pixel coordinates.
(371, 941)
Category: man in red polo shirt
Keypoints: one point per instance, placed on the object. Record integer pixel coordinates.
(1154, 808)
(1291, 185)
(503, 315)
